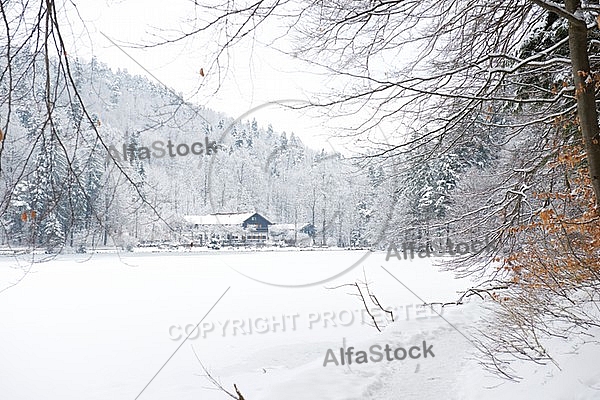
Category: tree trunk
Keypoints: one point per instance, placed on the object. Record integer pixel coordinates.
(585, 94)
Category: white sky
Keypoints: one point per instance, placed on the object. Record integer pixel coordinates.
(256, 75)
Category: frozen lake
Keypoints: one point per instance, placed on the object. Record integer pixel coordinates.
(101, 327)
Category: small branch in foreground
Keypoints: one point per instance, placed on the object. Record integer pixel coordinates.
(371, 297)
(215, 382)
(470, 292)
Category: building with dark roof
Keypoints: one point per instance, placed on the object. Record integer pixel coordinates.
(229, 228)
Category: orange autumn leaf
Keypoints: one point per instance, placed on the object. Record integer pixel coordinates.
(561, 246)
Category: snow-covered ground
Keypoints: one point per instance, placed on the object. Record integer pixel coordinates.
(101, 326)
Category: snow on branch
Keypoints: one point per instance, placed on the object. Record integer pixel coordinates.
(558, 10)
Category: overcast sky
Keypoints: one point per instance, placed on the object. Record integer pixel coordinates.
(256, 75)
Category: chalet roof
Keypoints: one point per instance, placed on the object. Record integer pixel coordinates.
(218, 219)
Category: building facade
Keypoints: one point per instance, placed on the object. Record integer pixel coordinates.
(235, 229)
